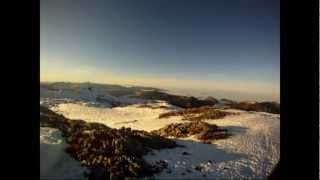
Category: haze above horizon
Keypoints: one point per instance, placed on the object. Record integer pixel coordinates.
(219, 48)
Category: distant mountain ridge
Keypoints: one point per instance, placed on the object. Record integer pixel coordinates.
(181, 101)
(117, 95)
(270, 107)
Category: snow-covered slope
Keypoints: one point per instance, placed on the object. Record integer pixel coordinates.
(251, 152)
(129, 116)
(93, 94)
(55, 163)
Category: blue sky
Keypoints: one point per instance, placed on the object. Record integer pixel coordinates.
(223, 48)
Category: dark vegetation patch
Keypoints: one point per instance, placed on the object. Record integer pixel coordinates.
(109, 153)
(203, 131)
(197, 114)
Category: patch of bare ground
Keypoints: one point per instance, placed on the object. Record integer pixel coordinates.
(197, 114)
(202, 130)
(109, 153)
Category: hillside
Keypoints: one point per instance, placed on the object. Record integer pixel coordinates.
(250, 150)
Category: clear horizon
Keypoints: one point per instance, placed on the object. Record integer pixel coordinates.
(224, 49)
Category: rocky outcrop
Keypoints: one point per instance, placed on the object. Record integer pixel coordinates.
(212, 99)
(180, 101)
(203, 131)
(270, 107)
(109, 153)
(197, 114)
(226, 101)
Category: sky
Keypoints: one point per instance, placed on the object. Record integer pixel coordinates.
(226, 49)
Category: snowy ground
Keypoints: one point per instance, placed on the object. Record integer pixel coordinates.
(128, 116)
(251, 152)
(55, 163)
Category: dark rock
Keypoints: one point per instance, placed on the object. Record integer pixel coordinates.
(204, 131)
(185, 153)
(98, 173)
(198, 168)
(162, 164)
(212, 99)
(270, 107)
(181, 101)
(227, 101)
(109, 153)
(197, 114)
(133, 170)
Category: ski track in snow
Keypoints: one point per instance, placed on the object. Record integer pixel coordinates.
(252, 151)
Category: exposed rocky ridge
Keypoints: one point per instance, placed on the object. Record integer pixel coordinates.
(116, 95)
(180, 101)
(212, 99)
(227, 101)
(203, 131)
(109, 153)
(197, 114)
(118, 89)
(270, 107)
